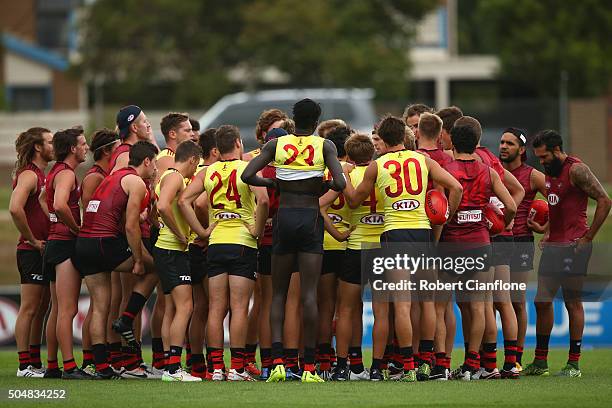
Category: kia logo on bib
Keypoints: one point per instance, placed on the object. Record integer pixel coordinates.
(373, 219)
(227, 216)
(335, 218)
(553, 199)
(406, 205)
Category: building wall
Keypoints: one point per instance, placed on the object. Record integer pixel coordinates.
(589, 136)
(22, 71)
(66, 92)
(19, 18)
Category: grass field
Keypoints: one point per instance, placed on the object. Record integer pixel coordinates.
(592, 390)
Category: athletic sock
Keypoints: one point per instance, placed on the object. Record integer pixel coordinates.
(216, 358)
(35, 356)
(115, 355)
(277, 353)
(291, 360)
(188, 354)
(24, 359)
(342, 363)
(130, 359)
(333, 358)
(519, 354)
(440, 357)
(324, 356)
(69, 364)
(100, 357)
(541, 351)
(309, 359)
(356, 359)
(466, 346)
(174, 359)
(426, 351)
(249, 353)
(509, 354)
(52, 365)
(88, 357)
(488, 359)
(472, 361)
(237, 359)
(574, 353)
(197, 363)
(376, 364)
(407, 358)
(157, 347)
(265, 355)
(134, 306)
(387, 356)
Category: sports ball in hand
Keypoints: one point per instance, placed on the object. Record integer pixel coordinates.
(495, 219)
(539, 211)
(436, 207)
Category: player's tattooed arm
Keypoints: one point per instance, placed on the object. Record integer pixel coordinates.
(249, 174)
(582, 177)
(330, 155)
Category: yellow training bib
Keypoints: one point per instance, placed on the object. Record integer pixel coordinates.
(299, 153)
(232, 203)
(369, 218)
(339, 212)
(402, 182)
(167, 240)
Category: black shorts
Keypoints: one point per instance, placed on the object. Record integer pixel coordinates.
(96, 255)
(355, 267)
(562, 261)
(154, 235)
(522, 257)
(332, 261)
(197, 263)
(56, 252)
(297, 230)
(30, 266)
(172, 268)
(405, 236)
(233, 259)
(503, 249)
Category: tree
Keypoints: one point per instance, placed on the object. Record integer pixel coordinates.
(537, 40)
(333, 42)
(192, 44)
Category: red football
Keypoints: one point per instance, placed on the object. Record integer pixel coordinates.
(539, 211)
(436, 207)
(144, 204)
(495, 219)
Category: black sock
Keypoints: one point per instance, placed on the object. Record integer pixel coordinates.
(174, 359)
(356, 357)
(277, 351)
(342, 362)
(309, 355)
(265, 355)
(542, 341)
(24, 359)
(376, 363)
(134, 306)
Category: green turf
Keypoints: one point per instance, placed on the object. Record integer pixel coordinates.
(592, 390)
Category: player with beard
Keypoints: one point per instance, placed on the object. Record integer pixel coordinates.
(397, 168)
(62, 195)
(103, 143)
(300, 160)
(411, 116)
(512, 153)
(567, 245)
(34, 151)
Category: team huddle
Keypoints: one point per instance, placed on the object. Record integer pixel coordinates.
(274, 240)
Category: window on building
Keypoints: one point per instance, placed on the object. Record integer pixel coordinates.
(29, 98)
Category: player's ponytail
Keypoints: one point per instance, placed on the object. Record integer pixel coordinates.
(25, 146)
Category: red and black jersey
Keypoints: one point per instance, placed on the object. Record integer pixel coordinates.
(122, 148)
(567, 206)
(104, 215)
(493, 161)
(96, 169)
(37, 219)
(58, 230)
(440, 157)
(469, 223)
(270, 172)
(523, 175)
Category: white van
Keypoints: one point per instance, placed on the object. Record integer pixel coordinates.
(354, 106)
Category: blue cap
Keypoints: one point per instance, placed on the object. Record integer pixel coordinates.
(275, 133)
(126, 116)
